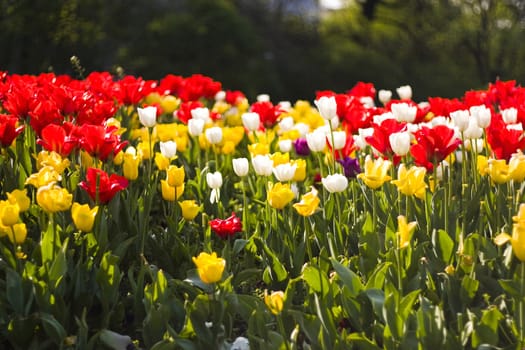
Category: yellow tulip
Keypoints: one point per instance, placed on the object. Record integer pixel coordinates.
(162, 162)
(483, 165)
(130, 167)
(169, 103)
(405, 230)
(279, 195)
(517, 240)
(45, 176)
(175, 176)
(274, 301)
(259, 149)
(190, 209)
(9, 213)
(17, 233)
(498, 171)
(376, 172)
(308, 204)
(171, 193)
(300, 171)
(209, 267)
(53, 160)
(83, 216)
(53, 198)
(517, 167)
(144, 149)
(411, 182)
(280, 158)
(19, 197)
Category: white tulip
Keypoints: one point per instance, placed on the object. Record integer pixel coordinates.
(403, 112)
(404, 92)
(263, 165)
(284, 172)
(367, 101)
(263, 98)
(214, 135)
(335, 183)
(240, 166)
(214, 181)
(316, 140)
(327, 107)
(482, 114)
(201, 113)
(384, 96)
(473, 131)
(220, 96)
(195, 126)
(286, 124)
(460, 119)
(148, 116)
(400, 143)
(302, 128)
(251, 120)
(285, 146)
(509, 115)
(339, 139)
(168, 149)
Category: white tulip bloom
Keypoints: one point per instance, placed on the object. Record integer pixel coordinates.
(263, 165)
(285, 146)
(400, 142)
(168, 149)
(482, 114)
(251, 120)
(148, 116)
(510, 115)
(214, 135)
(316, 140)
(201, 113)
(335, 183)
(460, 119)
(338, 138)
(214, 181)
(240, 166)
(284, 172)
(404, 92)
(384, 96)
(195, 127)
(403, 112)
(327, 107)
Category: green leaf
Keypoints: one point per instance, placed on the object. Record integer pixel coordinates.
(348, 277)
(377, 278)
(443, 245)
(487, 329)
(58, 267)
(469, 287)
(362, 342)
(317, 280)
(276, 266)
(377, 298)
(14, 291)
(53, 328)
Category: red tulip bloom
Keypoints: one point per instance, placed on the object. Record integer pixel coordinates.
(234, 97)
(362, 89)
(227, 227)
(100, 141)
(267, 112)
(108, 186)
(130, 90)
(380, 139)
(8, 129)
(503, 141)
(433, 145)
(58, 138)
(183, 114)
(198, 86)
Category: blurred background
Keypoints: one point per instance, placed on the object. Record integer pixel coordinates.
(286, 48)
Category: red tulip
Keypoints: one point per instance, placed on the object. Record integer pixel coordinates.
(433, 145)
(502, 140)
(58, 138)
(100, 141)
(267, 112)
(108, 186)
(8, 129)
(380, 138)
(225, 228)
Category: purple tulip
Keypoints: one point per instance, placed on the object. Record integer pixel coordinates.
(350, 166)
(301, 147)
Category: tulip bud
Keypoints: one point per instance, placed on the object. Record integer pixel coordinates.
(195, 126)
(262, 164)
(168, 149)
(460, 119)
(335, 183)
(251, 121)
(327, 107)
(404, 92)
(509, 115)
(148, 116)
(400, 143)
(337, 140)
(384, 96)
(214, 135)
(285, 146)
(316, 140)
(240, 166)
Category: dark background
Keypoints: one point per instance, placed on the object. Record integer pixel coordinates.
(288, 49)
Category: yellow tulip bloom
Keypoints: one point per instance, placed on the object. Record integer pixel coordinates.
(405, 231)
(190, 209)
(517, 240)
(53, 198)
(45, 176)
(517, 167)
(20, 198)
(498, 171)
(209, 267)
(411, 182)
(171, 193)
(17, 233)
(130, 167)
(175, 176)
(53, 160)
(9, 213)
(274, 301)
(162, 162)
(300, 171)
(259, 149)
(376, 172)
(279, 195)
(483, 165)
(83, 216)
(280, 158)
(308, 204)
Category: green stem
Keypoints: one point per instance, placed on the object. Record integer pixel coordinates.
(521, 306)
(282, 330)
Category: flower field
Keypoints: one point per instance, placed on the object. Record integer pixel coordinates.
(176, 214)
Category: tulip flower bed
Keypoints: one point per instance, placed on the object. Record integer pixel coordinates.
(173, 214)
